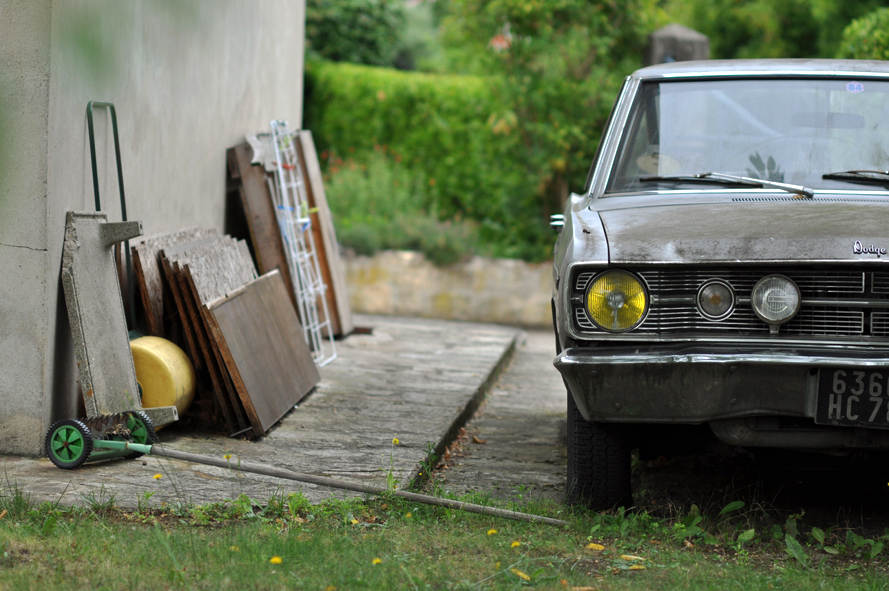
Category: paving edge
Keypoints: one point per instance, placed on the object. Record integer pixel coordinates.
(419, 476)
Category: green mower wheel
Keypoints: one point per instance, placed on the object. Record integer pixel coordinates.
(68, 444)
(141, 431)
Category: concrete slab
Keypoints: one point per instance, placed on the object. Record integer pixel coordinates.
(516, 444)
(417, 380)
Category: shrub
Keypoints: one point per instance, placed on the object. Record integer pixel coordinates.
(380, 205)
(867, 37)
(444, 133)
(360, 31)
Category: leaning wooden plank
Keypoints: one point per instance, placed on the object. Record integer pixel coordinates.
(207, 275)
(148, 276)
(332, 269)
(211, 278)
(191, 344)
(259, 209)
(168, 256)
(262, 343)
(229, 414)
(209, 269)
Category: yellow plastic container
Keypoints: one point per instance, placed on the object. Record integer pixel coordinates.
(164, 372)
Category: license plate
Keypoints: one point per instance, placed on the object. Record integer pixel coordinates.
(853, 397)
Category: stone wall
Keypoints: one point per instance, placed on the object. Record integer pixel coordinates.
(400, 283)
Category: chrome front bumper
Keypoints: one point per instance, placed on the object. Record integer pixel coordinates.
(683, 383)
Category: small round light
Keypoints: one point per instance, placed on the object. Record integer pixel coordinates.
(775, 299)
(616, 301)
(716, 300)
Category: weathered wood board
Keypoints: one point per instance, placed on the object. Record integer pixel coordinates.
(332, 270)
(202, 271)
(150, 279)
(262, 342)
(259, 209)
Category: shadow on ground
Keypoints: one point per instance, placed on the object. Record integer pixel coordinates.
(855, 495)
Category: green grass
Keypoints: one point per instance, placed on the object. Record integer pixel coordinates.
(287, 543)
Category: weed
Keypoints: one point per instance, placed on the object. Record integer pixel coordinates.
(298, 505)
(101, 501)
(796, 550)
(142, 504)
(243, 507)
(427, 466)
(391, 479)
(18, 503)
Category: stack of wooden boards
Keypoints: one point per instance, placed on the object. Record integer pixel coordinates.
(252, 184)
(242, 332)
(201, 289)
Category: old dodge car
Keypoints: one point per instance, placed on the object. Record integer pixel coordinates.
(724, 273)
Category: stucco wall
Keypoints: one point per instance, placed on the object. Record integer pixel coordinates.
(188, 80)
(402, 283)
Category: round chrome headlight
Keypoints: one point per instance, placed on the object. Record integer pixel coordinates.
(616, 301)
(775, 299)
(716, 300)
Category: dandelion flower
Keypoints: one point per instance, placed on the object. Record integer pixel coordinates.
(520, 574)
(492, 531)
(409, 515)
(330, 588)
(515, 544)
(395, 441)
(377, 560)
(234, 548)
(158, 476)
(275, 560)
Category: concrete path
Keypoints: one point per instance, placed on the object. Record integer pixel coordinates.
(516, 443)
(417, 380)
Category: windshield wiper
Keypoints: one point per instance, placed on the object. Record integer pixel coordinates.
(867, 177)
(730, 179)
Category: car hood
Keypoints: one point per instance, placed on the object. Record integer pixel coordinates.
(748, 232)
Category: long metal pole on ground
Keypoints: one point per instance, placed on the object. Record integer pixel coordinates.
(158, 450)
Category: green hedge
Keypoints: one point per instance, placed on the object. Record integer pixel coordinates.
(446, 129)
(867, 37)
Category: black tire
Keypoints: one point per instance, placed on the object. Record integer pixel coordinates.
(141, 431)
(68, 444)
(598, 463)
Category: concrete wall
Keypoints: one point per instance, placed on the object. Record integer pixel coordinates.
(400, 283)
(188, 80)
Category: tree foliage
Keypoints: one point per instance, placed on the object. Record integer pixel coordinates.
(357, 31)
(867, 37)
(770, 28)
(555, 67)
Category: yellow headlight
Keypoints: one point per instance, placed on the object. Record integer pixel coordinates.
(616, 301)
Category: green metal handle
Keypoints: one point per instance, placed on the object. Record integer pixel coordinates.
(114, 445)
(131, 295)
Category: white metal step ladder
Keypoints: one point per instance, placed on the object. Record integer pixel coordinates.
(295, 222)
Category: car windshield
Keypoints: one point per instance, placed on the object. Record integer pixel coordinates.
(786, 131)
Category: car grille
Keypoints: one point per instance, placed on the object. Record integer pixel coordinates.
(836, 302)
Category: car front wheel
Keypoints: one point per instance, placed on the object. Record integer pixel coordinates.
(598, 463)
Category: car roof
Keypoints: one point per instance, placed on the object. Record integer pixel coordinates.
(765, 68)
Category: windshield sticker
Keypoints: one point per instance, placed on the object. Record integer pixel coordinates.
(855, 87)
